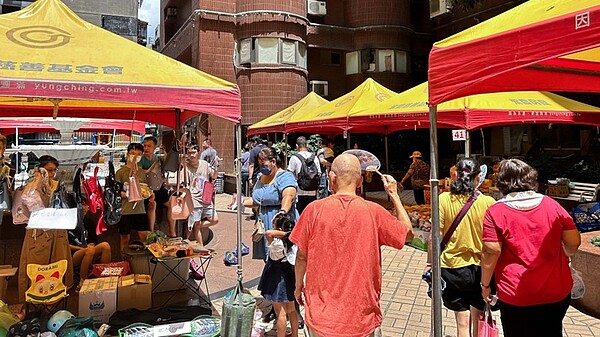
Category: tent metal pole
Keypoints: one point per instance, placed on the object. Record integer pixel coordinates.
(16, 155)
(482, 141)
(468, 144)
(238, 188)
(387, 155)
(285, 157)
(348, 142)
(435, 222)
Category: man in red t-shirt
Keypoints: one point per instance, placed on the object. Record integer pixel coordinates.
(339, 240)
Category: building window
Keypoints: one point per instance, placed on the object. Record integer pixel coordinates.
(376, 60)
(330, 58)
(270, 50)
(352, 63)
(267, 50)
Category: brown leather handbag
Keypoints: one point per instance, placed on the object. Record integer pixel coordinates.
(180, 202)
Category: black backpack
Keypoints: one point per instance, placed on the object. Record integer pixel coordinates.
(308, 177)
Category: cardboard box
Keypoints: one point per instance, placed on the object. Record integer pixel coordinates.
(6, 271)
(420, 240)
(134, 291)
(161, 280)
(98, 298)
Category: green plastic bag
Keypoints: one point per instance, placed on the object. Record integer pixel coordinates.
(238, 313)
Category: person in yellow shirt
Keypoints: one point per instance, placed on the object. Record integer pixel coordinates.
(461, 257)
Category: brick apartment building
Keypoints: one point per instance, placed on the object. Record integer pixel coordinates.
(277, 51)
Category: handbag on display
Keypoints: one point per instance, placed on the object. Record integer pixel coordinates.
(134, 192)
(5, 187)
(154, 176)
(208, 192)
(112, 197)
(487, 323)
(259, 227)
(180, 202)
(31, 197)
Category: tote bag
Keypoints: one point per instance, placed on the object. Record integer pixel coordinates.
(487, 323)
(180, 202)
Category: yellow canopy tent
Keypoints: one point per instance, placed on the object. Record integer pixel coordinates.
(409, 109)
(52, 60)
(333, 116)
(277, 122)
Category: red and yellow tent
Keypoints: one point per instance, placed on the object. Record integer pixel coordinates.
(550, 45)
(54, 63)
(333, 116)
(409, 110)
(277, 122)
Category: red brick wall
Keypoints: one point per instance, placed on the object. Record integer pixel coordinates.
(377, 12)
(291, 6)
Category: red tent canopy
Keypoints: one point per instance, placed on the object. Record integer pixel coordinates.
(9, 126)
(550, 45)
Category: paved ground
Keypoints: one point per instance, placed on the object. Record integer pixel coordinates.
(407, 309)
(405, 305)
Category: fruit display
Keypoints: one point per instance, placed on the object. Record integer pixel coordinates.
(420, 216)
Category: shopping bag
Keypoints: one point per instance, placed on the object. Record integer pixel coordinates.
(238, 313)
(487, 324)
(259, 230)
(180, 204)
(578, 289)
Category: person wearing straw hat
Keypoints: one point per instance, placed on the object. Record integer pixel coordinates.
(418, 172)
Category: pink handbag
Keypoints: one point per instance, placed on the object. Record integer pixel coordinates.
(135, 190)
(180, 202)
(487, 323)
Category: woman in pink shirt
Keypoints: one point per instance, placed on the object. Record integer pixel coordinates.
(527, 240)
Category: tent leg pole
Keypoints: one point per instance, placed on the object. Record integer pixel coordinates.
(482, 141)
(348, 142)
(468, 144)
(435, 222)
(387, 156)
(285, 157)
(238, 188)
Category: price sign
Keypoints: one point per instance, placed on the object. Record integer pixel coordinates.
(459, 135)
(345, 134)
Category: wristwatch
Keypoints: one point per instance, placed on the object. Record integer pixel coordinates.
(484, 286)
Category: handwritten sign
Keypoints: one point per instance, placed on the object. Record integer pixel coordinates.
(53, 218)
(459, 135)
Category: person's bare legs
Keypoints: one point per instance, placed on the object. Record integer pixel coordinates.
(201, 228)
(103, 252)
(151, 214)
(290, 311)
(142, 235)
(463, 324)
(475, 313)
(123, 242)
(281, 319)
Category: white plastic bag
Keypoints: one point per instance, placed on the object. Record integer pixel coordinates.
(578, 289)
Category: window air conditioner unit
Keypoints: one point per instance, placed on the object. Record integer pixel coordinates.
(319, 87)
(317, 7)
(438, 7)
(171, 11)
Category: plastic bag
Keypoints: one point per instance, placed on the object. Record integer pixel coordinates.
(578, 289)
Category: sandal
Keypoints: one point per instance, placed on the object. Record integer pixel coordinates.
(245, 249)
(230, 258)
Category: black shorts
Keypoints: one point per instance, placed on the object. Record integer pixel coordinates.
(160, 196)
(463, 288)
(138, 222)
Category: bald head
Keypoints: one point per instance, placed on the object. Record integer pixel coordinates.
(346, 168)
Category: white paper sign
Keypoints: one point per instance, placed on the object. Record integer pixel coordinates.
(459, 135)
(53, 218)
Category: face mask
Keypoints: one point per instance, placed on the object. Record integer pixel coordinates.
(266, 170)
(134, 158)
